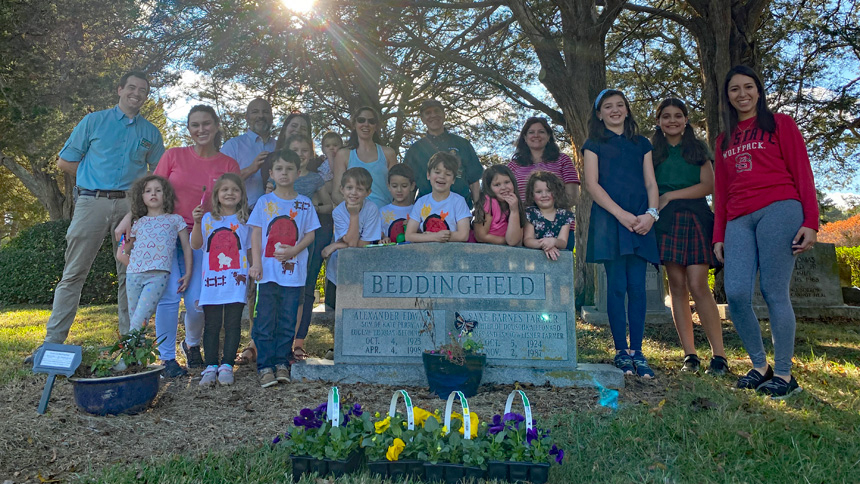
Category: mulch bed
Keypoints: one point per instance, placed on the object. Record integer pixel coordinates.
(189, 420)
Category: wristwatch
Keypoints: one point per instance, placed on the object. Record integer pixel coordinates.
(654, 213)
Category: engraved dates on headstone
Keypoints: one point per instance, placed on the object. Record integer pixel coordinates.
(386, 332)
(519, 335)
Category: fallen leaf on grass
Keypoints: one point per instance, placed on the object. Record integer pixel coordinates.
(43, 480)
(657, 465)
(745, 435)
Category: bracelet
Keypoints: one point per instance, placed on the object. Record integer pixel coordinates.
(654, 213)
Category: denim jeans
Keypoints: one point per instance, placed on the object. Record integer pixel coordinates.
(277, 308)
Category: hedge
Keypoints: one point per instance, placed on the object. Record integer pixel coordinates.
(849, 257)
(33, 264)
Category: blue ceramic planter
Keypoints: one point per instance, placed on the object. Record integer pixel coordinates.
(444, 377)
(129, 394)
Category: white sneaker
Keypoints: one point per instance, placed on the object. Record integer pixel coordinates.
(225, 375)
(209, 376)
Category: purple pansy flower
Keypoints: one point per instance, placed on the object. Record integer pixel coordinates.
(276, 439)
(497, 425)
(515, 419)
(558, 453)
(531, 434)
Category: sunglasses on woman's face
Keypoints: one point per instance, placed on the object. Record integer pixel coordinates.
(362, 120)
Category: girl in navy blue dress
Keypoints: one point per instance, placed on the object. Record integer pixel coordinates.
(619, 175)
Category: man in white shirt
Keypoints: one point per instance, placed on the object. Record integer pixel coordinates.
(251, 148)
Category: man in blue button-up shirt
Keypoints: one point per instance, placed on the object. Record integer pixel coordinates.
(250, 149)
(106, 152)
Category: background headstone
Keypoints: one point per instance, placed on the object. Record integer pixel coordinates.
(815, 288)
(656, 310)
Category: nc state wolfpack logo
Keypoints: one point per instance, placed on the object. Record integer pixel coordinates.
(743, 162)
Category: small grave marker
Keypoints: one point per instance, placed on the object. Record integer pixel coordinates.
(55, 359)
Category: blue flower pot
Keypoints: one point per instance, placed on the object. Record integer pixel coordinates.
(128, 394)
(445, 377)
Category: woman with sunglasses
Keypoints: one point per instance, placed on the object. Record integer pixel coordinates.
(363, 150)
(537, 150)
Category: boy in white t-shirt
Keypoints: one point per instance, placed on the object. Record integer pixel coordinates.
(356, 223)
(282, 227)
(440, 216)
(401, 184)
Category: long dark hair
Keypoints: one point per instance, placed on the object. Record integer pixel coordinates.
(202, 108)
(282, 138)
(352, 142)
(596, 127)
(694, 150)
(523, 154)
(138, 208)
(487, 192)
(764, 116)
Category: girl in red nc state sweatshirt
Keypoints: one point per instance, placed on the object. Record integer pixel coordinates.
(766, 213)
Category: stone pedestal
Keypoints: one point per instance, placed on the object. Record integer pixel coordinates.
(656, 311)
(523, 304)
(815, 288)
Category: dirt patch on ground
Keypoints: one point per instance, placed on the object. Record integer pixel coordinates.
(188, 420)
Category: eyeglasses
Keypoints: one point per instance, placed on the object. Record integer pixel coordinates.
(362, 120)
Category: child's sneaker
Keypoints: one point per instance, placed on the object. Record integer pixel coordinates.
(267, 378)
(777, 388)
(225, 375)
(719, 366)
(624, 362)
(193, 357)
(209, 376)
(643, 369)
(172, 369)
(691, 364)
(753, 379)
(282, 373)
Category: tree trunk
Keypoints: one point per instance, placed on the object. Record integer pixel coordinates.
(574, 72)
(43, 185)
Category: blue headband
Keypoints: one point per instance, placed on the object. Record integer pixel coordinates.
(597, 101)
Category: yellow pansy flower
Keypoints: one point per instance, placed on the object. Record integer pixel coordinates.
(473, 422)
(422, 415)
(382, 425)
(394, 451)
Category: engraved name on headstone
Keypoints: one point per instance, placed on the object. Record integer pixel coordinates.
(460, 285)
(385, 332)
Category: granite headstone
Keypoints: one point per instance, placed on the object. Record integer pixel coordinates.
(523, 303)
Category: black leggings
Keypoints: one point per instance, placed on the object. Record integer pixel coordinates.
(230, 317)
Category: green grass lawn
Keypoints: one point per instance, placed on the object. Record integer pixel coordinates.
(703, 431)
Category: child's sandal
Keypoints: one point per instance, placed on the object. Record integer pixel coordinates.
(248, 356)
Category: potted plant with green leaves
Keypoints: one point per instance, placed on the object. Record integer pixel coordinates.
(123, 379)
(391, 444)
(326, 440)
(519, 450)
(446, 443)
(456, 365)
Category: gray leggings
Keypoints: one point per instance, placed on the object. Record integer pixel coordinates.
(761, 241)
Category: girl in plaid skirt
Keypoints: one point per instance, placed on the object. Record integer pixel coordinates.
(685, 176)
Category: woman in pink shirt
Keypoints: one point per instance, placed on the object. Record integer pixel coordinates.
(537, 150)
(192, 170)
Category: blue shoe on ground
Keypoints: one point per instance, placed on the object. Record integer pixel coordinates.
(624, 362)
(643, 369)
(172, 369)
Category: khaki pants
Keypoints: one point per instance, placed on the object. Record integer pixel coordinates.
(94, 218)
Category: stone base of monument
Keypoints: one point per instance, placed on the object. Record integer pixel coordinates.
(413, 375)
(817, 312)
